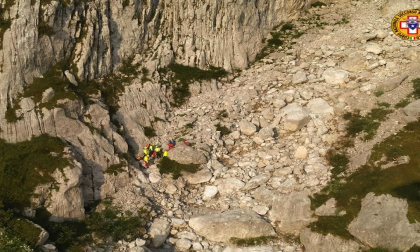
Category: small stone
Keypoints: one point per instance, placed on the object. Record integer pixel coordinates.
(154, 177)
(335, 76)
(299, 77)
(48, 94)
(230, 185)
(209, 192)
(183, 244)
(301, 152)
(247, 128)
(71, 78)
(261, 210)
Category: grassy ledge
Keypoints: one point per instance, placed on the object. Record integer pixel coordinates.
(256, 241)
(167, 166)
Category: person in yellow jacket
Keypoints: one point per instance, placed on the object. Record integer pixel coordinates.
(156, 152)
(146, 161)
(165, 153)
(146, 149)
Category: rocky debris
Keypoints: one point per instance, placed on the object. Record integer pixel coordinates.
(256, 181)
(71, 78)
(230, 185)
(238, 223)
(335, 76)
(183, 244)
(299, 77)
(250, 249)
(413, 109)
(266, 133)
(184, 154)
(319, 106)
(315, 242)
(47, 95)
(373, 48)
(159, 231)
(291, 212)
(328, 209)
(247, 127)
(199, 177)
(391, 84)
(382, 222)
(354, 62)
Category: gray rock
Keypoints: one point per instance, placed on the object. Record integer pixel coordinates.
(319, 106)
(279, 103)
(209, 192)
(391, 84)
(354, 63)
(295, 117)
(301, 152)
(250, 249)
(71, 78)
(299, 77)
(159, 231)
(184, 154)
(413, 109)
(328, 209)
(238, 223)
(291, 212)
(27, 104)
(247, 127)
(230, 185)
(199, 177)
(382, 221)
(183, 244)
(373, 48)
(335, 76)
(315, 242)
(266, 133)
(256, 182)
(47, 95)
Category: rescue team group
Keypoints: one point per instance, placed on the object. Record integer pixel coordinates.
(152, 151)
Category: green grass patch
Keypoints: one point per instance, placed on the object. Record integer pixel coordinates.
(185, 75)
(287, 27)
(25, 165)
(222, 114)
(167, 166)
(256, 241)
(382, 249)
(149, 132)
(368, 124)
(116, 168)
(402, 104)
(415, 248)
(379, 93)
(401, 181)
(318, 4)
(223, 129)
(339, 161)
(383, 104)
(416, 86)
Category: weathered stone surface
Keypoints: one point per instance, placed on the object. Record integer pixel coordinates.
(239, 223)
(413, 109)
(47, 95)
(199, 177)
(299, 77)
(373, 48)
(247, 127)
(315, 242)
(320, 106)
(71, 78)
(328, 209)
(382, 222)
(183, 244)
(296, 121)
(184, 154)
(291, 212)
(354, 63)
(301, 152)
(250, 249)
(391, 84)
(27, 104)
(256, 181)
(335, 76)
(159, 231)
(266, 133)
(230, 185)
(209, 192)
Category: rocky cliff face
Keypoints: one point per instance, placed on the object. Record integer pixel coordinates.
(93, 38)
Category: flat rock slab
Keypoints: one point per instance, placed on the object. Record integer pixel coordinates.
(315, 242)
(184, 154)
(199, 177)
(382, 222)
(243, 224)
(413, 109)
(392, 84)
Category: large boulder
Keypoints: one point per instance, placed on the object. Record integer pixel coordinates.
(413, 109)
(391, 84)
(199, 177)
(315, 242)
(239, 223)
(295, 117)
(159, 231)
(382, 222)
(335, 76)
(291, 212)
(184, 154)
(247, 127)
(319, 106)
